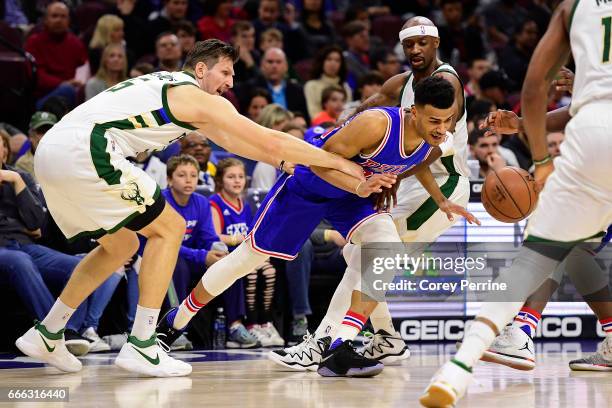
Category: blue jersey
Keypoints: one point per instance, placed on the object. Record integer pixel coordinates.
(389, 157)
(296, 204)
(234, 220)
(200, 232)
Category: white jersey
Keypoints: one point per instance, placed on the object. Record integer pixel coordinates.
(133, 115)
(590, 32)
(457, 163)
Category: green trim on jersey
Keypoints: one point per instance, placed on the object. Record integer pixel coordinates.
(101, 158)
(101, 231)
(140, 120)
(158, 118)
(167, 108)
(449, 164)
(429, 207)
(571, 17)
(189, 74)
(533, 238)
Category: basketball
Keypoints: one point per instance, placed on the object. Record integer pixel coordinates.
(509, 194)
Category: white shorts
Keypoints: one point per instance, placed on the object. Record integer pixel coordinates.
(576, 202)
(89, 186)
(416, 215)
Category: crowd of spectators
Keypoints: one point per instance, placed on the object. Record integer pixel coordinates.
(301, 64)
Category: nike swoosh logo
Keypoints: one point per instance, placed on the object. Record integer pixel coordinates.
(154, 361)
(49, 349)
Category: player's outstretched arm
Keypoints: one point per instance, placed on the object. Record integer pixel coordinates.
(429, 183)
(550, 54)
(363, 133)
(218, 119)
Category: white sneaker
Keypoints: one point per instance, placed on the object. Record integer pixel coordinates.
(48, 347)
(600, 361)
(275, 339)
(447, 386)
(389, 349)
(148, 358)
(304, 356)
(97, 344)
(116, 341)
(261, 335)
(512, 348)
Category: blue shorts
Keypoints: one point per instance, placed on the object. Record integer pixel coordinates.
(296, 205)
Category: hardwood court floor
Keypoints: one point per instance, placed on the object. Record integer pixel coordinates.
(247, 379)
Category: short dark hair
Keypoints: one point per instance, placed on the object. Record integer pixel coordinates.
(176, 161)
(434, 91)
(353, 28)
(241, 26)
(329, 91)
(475, 135)
(371, 78)
(493, 79)
(186, 26)
(445, 2)
(209, 52)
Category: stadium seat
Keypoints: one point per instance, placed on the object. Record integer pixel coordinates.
(386, 28)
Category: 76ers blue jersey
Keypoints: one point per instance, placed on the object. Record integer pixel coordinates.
(234, 220)
(296, 204)
(389, 157)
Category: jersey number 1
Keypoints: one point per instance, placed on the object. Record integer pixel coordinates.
(606, 22)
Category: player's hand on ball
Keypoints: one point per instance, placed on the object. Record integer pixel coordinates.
(501, 122)
(213, 256)
(541, 173)
(375, 184)
(564, 80)
(450, 208)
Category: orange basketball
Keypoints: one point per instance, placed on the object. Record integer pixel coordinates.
(509, 194)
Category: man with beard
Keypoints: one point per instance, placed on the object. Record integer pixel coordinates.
(195, 144)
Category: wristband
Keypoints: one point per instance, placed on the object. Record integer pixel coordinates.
(543, 161)
(357, 188)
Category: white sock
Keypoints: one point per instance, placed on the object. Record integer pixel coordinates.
(475, 342)
(350, 328)
(144, 322)
(58, 316)
(328, 327)
(189, 308)
(381, 318)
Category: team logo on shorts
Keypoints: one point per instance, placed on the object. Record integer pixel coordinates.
(133, 194)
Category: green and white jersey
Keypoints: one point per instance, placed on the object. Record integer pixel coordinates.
(133, 116)
(456, 163)
(590, 32)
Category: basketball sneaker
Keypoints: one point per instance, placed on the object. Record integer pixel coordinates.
(600, 361)
(149, 358)
(389, 349)
(182, 343)
(344, 361)
(304, 356)
(48, 347)
(166, 333)
(116, 341)
(239, 337)
(447, 386)
(75, 343)
(96, 344)
(299, 329)
(512, 348)
(275, 339)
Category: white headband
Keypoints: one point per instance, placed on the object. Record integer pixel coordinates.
(431, 31)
